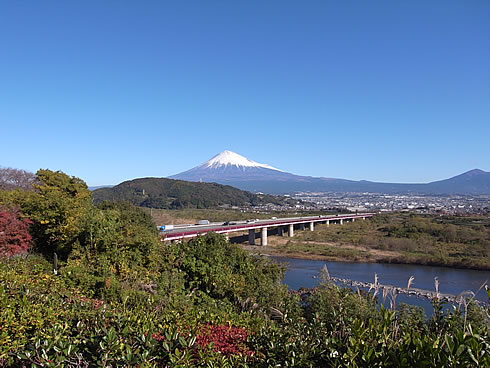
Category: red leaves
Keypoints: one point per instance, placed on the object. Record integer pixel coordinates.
(14, 233)
(219, 339)
(223, 339)
(158, 337)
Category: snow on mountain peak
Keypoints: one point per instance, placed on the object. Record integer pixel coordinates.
(229, 158)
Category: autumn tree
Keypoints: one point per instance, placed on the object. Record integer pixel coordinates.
(14, 232)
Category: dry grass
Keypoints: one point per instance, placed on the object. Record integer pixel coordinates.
(162, 218)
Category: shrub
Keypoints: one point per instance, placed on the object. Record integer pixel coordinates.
(14, 233)
(224, 271)
(226, 340)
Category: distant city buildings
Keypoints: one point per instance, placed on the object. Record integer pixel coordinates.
(367, 202)
(460, 205)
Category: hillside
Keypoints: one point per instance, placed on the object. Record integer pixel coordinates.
(172, 194)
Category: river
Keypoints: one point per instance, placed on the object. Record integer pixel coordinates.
(302, 273)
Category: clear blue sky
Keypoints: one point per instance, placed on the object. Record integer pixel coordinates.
(393, 91)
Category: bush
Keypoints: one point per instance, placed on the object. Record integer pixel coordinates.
(14, 233)
(224, 271)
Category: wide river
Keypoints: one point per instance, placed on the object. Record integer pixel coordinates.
(303, 273)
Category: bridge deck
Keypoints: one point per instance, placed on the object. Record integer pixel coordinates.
(190, 231)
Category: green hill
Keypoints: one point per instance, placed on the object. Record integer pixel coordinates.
(172, 194)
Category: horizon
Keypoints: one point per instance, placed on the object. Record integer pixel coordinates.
(204, 162)
(265, 165)
(379, 91)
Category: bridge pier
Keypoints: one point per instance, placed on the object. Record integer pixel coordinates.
(341, 221)
(312, 226)
(328, 223)
(353, 219)
(251, 236)
(263, 238)
(291, 231)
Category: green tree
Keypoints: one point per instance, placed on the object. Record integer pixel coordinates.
(58, 209)
(118, 244)
(225, 271)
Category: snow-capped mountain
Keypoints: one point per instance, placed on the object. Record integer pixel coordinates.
(228, 158)
(233, 169)
(229, 167)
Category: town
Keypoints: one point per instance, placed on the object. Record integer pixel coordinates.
(423, 204)
(379, 202)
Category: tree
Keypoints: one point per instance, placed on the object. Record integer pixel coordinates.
(58, 210)
(14, 233)
(16, 179)
(118, 247)
(225, 271)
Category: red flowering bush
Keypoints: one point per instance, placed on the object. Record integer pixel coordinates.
(14, 233)
(223, 339)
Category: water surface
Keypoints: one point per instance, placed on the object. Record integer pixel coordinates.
(303, 273)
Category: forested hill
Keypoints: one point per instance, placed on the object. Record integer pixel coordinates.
(169, 193)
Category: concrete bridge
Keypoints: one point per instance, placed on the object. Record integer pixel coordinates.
(284, 226)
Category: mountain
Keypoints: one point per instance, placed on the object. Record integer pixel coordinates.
(229, 166)
(92, 188)
(475, 181)
(169, 193)
(233, 169)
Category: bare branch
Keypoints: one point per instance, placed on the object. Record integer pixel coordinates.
(16, 179)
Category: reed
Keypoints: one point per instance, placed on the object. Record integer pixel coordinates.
(410, 281)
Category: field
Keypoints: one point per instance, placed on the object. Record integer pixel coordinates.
(191, 216)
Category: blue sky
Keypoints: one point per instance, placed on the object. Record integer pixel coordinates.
(394, 91)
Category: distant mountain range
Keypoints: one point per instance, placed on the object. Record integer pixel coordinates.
(99, 186)
(175, 194)
(233, 169)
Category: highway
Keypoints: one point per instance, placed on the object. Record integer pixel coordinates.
(287, 224)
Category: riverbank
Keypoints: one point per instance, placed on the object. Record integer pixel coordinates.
(303, 275)
(400, 238)
(332, 252)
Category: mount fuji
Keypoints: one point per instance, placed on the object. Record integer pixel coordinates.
(233, 169)
(230, 168)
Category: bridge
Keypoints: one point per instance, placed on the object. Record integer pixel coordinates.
(283, 226)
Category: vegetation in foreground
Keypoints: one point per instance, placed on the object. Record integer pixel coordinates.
(118, 297)
(454, 241)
